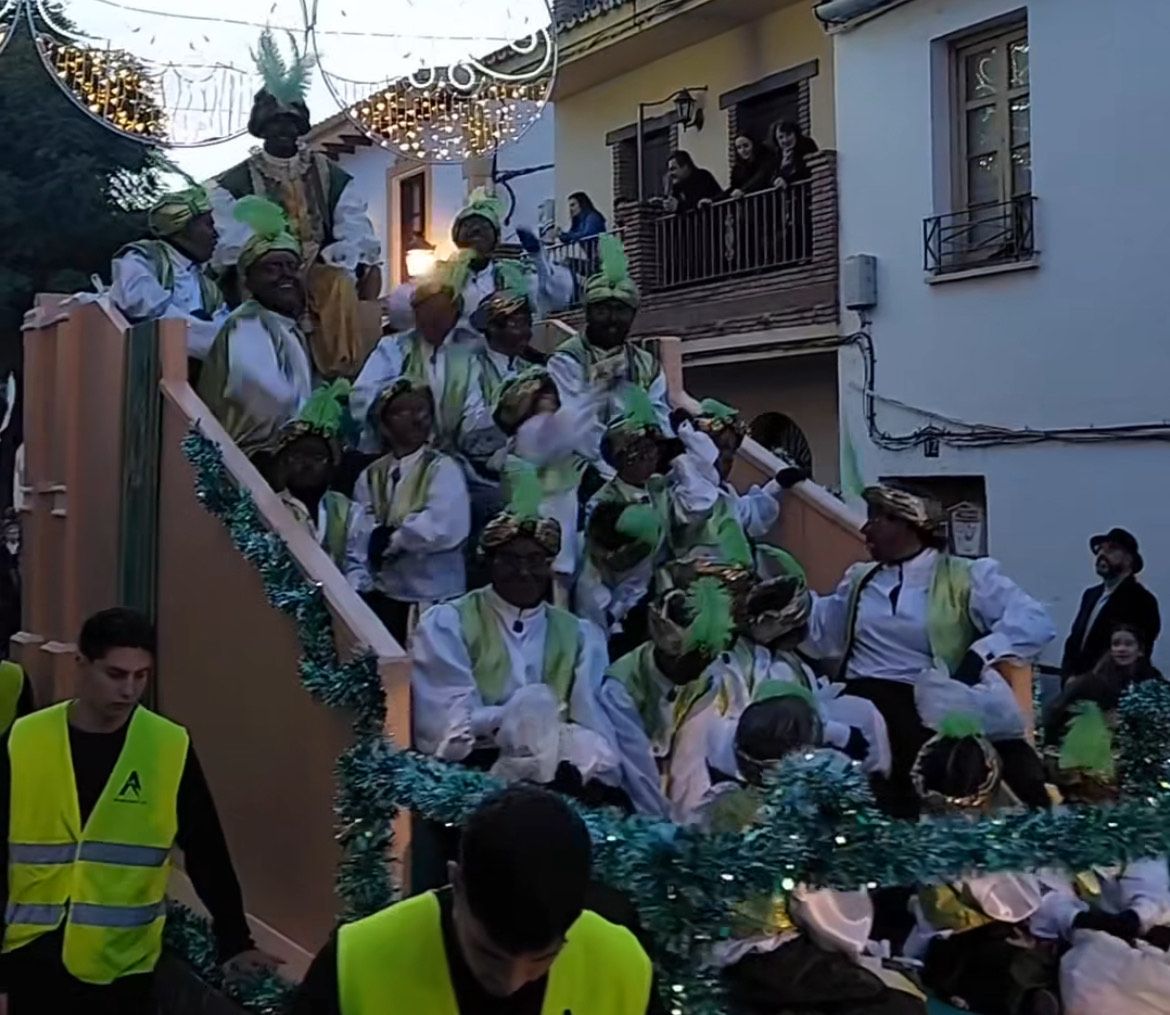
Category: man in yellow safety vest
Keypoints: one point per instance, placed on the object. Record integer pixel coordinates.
(94, 793)
(510, 936)
(16, 697)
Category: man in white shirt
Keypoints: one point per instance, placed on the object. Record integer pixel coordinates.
(167, 276)
(416, 498)
(257, 374)
(913, 611)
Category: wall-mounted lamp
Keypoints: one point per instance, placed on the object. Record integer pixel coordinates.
(420, 257)
(687, 111)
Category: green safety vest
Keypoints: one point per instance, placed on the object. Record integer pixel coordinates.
(456, 383)
(489, 658)
(948, 612)
(106, 880)
(11, 684)
(643, 366)
(395, 962)
(638, 673)
(409, 496)
(157, 254)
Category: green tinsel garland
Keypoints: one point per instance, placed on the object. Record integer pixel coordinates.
(819, 824)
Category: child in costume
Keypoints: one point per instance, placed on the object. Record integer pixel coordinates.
(973, 936)
(627, 523)
(416, 499)
(797, 950)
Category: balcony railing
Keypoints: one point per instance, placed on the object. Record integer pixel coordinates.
(979, 237)
(581, 258)
(734, 237)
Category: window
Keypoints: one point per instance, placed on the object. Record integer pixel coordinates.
(412, 215)
(757, 117)
(992, 120)
(657, 146)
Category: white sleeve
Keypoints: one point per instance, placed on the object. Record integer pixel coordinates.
(359, 525)
(445, 522)
(476, 414)
(361, 491)
(592, 662)
(1145, 888)
(659, 399)
(568, 375)
(552, 287)
(1006, 898)
(758, 509)
(1059, 907)
(640, 777)
(382, 368)
(1018, 626)
(548, 436)
(937, 695)
(693, 477)
(355, 241)
(397, 307)
(134, 289)
(442, 686)
(200, 334)
(232, 233)
(255, 378)
(828, 628)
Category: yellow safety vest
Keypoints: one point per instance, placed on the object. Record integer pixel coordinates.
(394, 963)
(106, 880)
(11, 684)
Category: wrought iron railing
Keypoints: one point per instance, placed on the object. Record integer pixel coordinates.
(581, 257)
(736, 236)
(980, 236)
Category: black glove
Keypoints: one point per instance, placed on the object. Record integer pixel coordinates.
(857, 747)
(678, 417)
(1124, 925)
(789, 476)
(528, 240)
(1159, 937)
(970, 669)
(379, 544)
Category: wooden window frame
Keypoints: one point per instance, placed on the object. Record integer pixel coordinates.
(421, 175)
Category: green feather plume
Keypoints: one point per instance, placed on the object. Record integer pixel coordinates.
(1088, 744)
(734, 547)
(615, 265)
(524, 489)
(327, 407)
(768, 689)
(511, 277)
(265, 218)
(710, 606)
(287, 83)
(641, 523)
(639, 409)
(959, 725)
(712, 408)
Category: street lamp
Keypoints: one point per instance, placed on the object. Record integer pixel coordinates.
(687, 112)
(420, 257)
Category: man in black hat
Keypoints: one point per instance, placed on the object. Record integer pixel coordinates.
(1119, 599)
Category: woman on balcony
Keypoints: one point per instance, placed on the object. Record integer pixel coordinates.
(585, 221)
(754, 167)
(792, 149)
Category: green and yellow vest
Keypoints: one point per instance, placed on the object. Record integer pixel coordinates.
(395, 963)
(642, 365)
(456, 384)
(336, 535)
(106, 880)
(489, 657)
(410, 495)
(638, 673)
(948, 617)
(157, 255)
(11, 685)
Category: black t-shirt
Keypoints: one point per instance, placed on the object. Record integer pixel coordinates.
(318, 994)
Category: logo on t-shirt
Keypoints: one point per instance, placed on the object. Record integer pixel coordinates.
(131, 791)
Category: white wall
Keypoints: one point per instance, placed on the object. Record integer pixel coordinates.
(1080, 341)
(368, 167)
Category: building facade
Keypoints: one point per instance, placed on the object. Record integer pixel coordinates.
(1004, 164)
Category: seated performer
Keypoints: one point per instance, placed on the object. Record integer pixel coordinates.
(340, 252)
(627, 524)
(550, 438)
(1127, 905)
(803, 951)
(510, 935)
(714, 521)
(257, 375)
(973, 936)
(416, 498)
(304, 462)
(438, 352)
(167, 276)
(472, 655)
(915, 610)
(476, 232)
(601, 365)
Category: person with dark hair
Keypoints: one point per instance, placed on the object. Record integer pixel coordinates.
(1119, 599)
(792, 148)
(753, 168)
(83, 925)
(916, 611)
(585, 221)
(791, 175)
(690, 187)
(973, 936)
(510, 936)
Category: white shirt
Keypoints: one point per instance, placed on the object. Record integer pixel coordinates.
(891, 639)
(449, 716)
(137, 292)
(355, 566)
(424, 561)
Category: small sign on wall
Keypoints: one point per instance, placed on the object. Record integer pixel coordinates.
(968, 529)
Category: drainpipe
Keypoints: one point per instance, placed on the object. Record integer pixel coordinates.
(844, 14)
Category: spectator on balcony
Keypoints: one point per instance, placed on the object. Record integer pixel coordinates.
(167, 275)
(257, 374)
(690, 186)
(792, 150)
(793, 147)
(753, 169)
(585, 221)
(417, 501)
(439, 350)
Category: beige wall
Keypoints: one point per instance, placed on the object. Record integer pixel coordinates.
(804, 388)
(777, 42)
